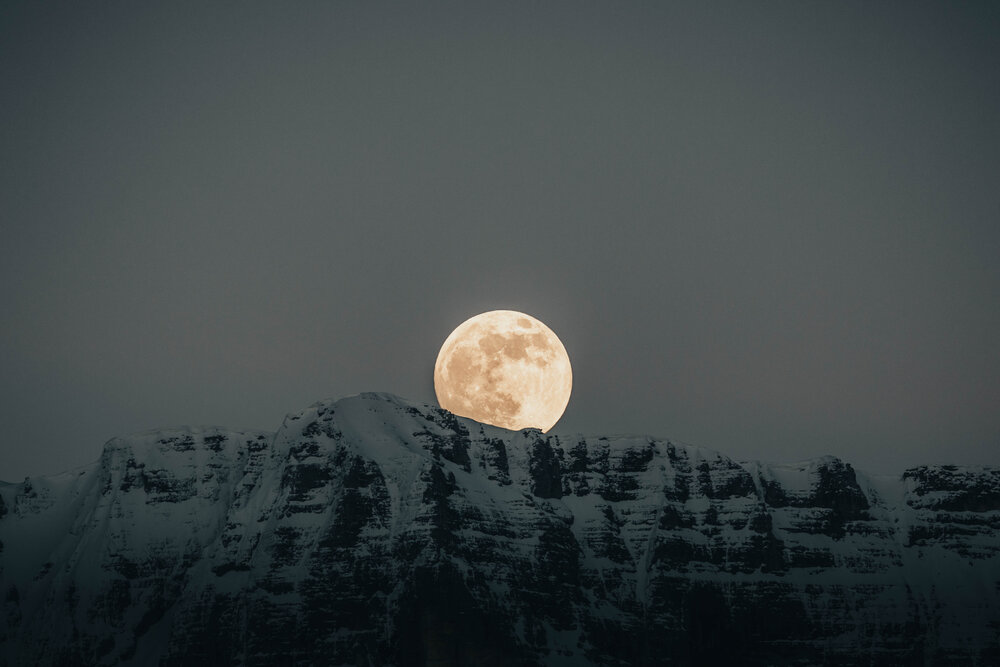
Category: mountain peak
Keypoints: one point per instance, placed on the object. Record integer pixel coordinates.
(375, 530)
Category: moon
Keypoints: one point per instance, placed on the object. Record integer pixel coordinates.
(504, 368)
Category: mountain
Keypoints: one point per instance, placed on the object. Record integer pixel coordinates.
(376, 531)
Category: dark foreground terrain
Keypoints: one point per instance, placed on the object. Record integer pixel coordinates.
(373, 531)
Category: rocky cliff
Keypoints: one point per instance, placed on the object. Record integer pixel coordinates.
(374, 531)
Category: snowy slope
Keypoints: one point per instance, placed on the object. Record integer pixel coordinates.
(372, 530)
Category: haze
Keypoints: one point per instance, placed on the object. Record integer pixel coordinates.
(769, 229)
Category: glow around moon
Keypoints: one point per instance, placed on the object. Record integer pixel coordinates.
(504, 368)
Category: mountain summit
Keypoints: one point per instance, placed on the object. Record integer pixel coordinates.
(376, 531)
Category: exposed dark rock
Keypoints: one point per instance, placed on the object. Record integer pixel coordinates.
(545, 470)
(495, 460)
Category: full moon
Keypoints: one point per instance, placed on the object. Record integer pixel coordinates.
(504, 368)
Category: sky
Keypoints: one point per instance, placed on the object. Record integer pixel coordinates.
(771, 229)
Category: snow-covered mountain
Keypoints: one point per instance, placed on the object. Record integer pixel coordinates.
(375, 531)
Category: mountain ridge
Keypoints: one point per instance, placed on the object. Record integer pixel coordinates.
(374, 530)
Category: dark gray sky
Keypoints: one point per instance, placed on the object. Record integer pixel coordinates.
(771, 229)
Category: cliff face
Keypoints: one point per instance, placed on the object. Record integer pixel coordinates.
(373, 531)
